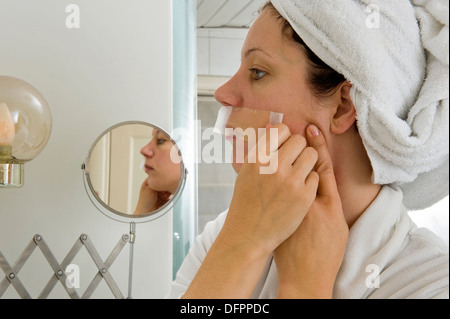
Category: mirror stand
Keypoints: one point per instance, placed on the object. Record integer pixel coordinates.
(130, 271)
(154, 178)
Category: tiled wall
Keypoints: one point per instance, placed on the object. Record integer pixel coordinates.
(218, 56)
(219, 51)
(215, 180)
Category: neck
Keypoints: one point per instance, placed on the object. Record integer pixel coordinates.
(353, 176)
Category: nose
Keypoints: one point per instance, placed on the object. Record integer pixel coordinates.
(230, 94)
(147, 150)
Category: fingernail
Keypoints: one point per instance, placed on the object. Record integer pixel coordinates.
(313, 130)
(268, 126)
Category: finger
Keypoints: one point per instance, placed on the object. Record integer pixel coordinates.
(276, 135)
(324, 164)
(164, 196)
(291, 149)
(312, 182)
(305, 163)
(144, 184)
(273, 137)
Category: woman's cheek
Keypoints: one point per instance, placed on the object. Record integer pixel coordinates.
(295, 126)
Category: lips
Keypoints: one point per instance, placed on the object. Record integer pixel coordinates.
(148, 168)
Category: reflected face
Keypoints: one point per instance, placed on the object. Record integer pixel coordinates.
(163, 174)
(272, 77)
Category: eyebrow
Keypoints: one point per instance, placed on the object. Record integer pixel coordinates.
(154, 132)
(253, 50)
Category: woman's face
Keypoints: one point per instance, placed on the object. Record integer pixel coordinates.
(163, 173)
(272, 77)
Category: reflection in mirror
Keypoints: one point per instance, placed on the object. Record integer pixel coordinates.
(163, 174)
(134, 169)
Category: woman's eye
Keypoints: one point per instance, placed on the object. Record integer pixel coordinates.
(160, 141)
(257, 74)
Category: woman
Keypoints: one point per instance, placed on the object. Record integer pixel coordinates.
(164, 174)
(326, 224)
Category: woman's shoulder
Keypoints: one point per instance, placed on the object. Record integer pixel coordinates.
(421, 268)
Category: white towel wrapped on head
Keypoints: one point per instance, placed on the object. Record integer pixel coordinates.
(396, 55)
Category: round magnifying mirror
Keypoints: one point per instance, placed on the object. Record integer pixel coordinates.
(134, 172)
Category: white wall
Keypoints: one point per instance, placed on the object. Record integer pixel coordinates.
(116, 67)
(435, 218)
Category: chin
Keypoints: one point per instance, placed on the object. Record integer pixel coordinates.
(154, 185)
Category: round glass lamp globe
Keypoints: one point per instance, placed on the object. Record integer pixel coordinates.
(25, 128)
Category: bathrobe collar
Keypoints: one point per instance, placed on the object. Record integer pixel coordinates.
(376, 237)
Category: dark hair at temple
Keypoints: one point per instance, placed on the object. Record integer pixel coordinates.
(323, 79)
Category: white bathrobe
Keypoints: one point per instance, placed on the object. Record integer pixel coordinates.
(387, 256)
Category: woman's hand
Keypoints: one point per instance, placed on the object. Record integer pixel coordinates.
(267, 208)
(308, 262)
(150, 200)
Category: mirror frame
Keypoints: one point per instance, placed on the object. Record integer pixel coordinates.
(119, 216)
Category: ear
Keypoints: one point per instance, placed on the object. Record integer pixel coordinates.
(345, 112)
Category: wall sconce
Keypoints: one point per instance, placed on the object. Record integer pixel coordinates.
(25, 128)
